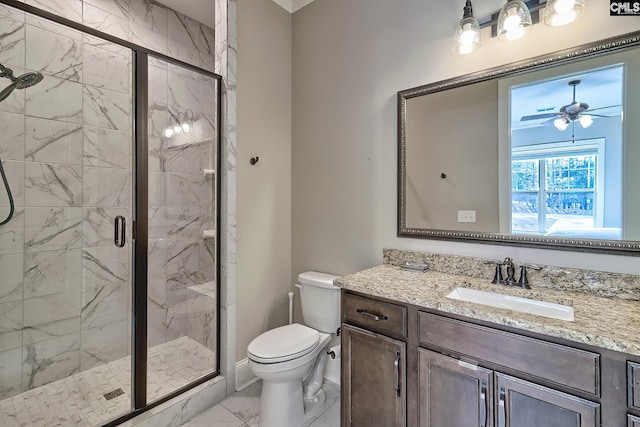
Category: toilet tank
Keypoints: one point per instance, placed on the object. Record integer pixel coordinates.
(320, 301)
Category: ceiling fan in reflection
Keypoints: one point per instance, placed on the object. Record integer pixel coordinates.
(569, 113)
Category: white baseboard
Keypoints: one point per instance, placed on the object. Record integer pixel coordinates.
(244, 375)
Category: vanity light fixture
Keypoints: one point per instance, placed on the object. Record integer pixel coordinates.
(467, 33)
(562, 12)
(514, 20)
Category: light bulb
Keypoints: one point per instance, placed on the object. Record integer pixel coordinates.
(564, 6)
(558, 20)
(186, 127)
(468, 35)
(512, 21)
(168, 132)
(177, 129)
(562, 12)
(561, 123)
(515, 34)
(585, 120)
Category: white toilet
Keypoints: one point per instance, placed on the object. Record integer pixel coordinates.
(290, 359)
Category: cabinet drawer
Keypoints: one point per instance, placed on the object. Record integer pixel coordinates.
(566, 366)
(633, 421)
(375, 315)
(633, 384)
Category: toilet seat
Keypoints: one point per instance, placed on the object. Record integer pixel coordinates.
(284, 343)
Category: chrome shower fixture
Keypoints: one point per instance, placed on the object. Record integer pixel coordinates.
(21, 82)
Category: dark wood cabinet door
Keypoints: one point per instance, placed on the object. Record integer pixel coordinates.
(452, 393)
(521, 403)
(373, 379)
(633, 380)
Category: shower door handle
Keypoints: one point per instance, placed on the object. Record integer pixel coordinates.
(119, 231)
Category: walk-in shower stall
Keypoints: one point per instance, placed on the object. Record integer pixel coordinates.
(109, 220)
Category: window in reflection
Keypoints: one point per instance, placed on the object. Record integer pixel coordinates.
(562, 179)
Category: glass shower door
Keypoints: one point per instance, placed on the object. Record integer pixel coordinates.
(183, 288)
(65, 287)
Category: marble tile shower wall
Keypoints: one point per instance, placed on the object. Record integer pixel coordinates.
(66, 145)
(182, 268)
(143, 22)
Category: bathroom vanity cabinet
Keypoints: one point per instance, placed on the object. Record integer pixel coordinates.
(404, 365)
(373, 363)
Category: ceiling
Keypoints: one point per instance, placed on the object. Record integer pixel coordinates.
(203, 10)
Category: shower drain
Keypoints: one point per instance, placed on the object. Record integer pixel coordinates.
(113, 394)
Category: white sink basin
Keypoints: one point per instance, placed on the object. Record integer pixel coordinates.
(523, 305)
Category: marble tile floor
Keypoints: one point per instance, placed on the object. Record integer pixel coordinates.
(242, 409)
(79, 400)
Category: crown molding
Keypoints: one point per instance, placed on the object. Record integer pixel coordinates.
(285, 4)
(292, 5)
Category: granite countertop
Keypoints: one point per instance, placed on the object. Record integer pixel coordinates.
(609, 323)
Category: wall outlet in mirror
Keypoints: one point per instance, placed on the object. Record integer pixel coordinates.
(466, 216)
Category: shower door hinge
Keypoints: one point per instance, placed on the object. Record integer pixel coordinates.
(133, 230)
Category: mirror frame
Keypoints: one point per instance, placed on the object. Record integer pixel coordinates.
(590, 50)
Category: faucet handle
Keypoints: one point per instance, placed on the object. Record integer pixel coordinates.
(497, 277)
(524, 280)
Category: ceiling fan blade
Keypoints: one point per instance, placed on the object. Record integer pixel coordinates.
(603, 108)
(599, 115)
(538, 116)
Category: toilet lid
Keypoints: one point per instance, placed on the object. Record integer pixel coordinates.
(283, 343)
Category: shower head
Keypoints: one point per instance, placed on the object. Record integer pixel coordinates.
(21, 82)
(27, 80)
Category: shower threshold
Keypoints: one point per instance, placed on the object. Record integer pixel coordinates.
(79, 400)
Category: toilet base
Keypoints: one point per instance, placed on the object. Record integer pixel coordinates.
(312, 407)
(281, 404)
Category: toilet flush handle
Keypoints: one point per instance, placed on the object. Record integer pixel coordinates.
(299, 286)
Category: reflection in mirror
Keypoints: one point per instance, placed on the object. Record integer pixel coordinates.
(536, 153)
(566, 155)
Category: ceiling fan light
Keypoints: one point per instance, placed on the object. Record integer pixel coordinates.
(561, 123)
(562, 12)
(585, 120)
(466, 37)
(514, 20)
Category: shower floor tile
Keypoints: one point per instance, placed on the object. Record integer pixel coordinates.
(79, 399)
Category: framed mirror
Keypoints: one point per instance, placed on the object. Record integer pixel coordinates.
(540, 153)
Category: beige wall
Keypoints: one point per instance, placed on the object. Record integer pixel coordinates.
(442, 138)
(264, 190)
(350, 57)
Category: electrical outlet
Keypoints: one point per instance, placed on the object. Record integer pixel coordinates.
(466, 216)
